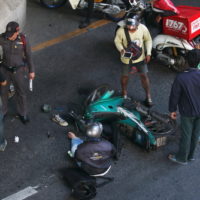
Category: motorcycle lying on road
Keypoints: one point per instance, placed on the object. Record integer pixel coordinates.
(147, 128)
(180, 32)
(110, 7)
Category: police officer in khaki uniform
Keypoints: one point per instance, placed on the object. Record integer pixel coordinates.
(16, 57)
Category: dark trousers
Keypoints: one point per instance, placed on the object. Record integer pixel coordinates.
(18, 81)
(90, 9)
(1, 124)
(190, 127)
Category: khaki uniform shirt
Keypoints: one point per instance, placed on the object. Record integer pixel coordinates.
(15, 54)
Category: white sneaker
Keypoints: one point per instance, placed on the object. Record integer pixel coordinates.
(59, 120)
(3, 146)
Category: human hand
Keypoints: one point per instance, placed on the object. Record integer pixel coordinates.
(122, 52)
(148, 58)
(32, 75)
(3, 83)
(197, 46)
(71, 135)
(173, 115)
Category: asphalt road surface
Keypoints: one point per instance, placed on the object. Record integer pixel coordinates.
(64, 67)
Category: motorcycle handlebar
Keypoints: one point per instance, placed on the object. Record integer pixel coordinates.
(160, 117)
(111, 115)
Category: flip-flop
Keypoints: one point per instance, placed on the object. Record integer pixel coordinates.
(173, 159)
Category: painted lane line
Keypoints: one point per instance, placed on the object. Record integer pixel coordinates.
(75, 33)
(22, 194)
(70, 35)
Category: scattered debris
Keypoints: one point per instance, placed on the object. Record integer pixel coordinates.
(56, 118)
(16, 139)
(48, 134)
(46, 108)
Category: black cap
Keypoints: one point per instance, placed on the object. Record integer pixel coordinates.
(11, 28)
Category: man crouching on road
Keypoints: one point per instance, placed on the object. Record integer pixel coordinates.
(94, 154)
(185, 94)
(16, 56)
(134, 38)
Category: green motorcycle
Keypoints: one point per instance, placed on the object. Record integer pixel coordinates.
(143, 126)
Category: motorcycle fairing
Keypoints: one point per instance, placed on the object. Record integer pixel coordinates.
(163, 41)
(107, 108)
(104, 105)
(135, 120)
(165, 5)
(111, 108)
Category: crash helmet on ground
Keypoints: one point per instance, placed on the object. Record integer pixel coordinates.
(94, 130)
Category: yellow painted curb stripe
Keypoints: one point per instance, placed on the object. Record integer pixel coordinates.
(70, 35)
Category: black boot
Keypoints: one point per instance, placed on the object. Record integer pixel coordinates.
(24, 119)
(84, 24)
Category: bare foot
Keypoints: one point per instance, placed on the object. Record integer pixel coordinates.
(71, 135)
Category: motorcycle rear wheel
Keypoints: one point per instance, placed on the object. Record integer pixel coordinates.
(53, 3)
(159, 128)
(157, 123)
(180, 64)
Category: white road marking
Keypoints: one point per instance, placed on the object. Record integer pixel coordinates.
(23, 194)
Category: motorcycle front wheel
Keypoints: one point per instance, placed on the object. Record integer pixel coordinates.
(96, 94)
(53, 3)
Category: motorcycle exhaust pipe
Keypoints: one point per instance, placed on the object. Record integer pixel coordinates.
(166, 60)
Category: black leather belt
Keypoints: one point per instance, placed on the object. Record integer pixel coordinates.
(12, 69)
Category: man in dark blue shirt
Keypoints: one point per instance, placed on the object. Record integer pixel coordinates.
(185, 94)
